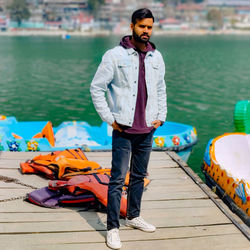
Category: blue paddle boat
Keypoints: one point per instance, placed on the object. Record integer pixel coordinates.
(41, 136)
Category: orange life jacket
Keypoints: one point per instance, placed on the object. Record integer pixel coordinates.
(66, 164)
(95, 183)
(62, 164)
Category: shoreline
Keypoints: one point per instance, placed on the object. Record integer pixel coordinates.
(54, 33)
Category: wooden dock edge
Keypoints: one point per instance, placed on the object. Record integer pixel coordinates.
(216, 200)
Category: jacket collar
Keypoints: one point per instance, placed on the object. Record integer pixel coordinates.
(132, 51)
(126, 43)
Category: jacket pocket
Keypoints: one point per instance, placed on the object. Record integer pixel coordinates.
(123, 72)
(123, 64)
(155, 72)
(155, 66)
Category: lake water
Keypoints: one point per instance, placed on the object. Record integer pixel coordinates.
(48, 78)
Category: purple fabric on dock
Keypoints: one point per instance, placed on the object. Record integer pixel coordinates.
(54, 198)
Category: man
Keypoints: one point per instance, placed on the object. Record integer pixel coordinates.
(129, 93)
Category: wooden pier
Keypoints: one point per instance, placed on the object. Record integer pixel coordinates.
(185, 216)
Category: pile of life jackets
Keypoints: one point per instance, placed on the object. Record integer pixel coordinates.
(74, 180)
(62, 165)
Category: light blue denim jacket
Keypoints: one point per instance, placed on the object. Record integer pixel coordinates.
(115, 85)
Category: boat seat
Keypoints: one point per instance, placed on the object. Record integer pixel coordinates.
(232, 152)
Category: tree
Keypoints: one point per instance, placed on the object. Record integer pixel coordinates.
(215, 17)
(94, 5)
(19, 11)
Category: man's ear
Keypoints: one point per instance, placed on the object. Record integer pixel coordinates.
(132, 26)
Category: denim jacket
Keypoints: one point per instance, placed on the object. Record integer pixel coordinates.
(114, 86)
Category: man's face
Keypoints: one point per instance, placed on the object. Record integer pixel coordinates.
(142, 29)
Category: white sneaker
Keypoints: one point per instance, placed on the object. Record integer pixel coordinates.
(141, 224)
(113, 239)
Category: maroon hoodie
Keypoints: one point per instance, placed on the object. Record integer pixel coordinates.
(139, 125)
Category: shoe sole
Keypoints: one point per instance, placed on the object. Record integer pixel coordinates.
(113, 247)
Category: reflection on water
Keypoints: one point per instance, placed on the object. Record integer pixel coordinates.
(45, 78)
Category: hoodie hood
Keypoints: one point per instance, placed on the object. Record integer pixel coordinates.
(126, 43)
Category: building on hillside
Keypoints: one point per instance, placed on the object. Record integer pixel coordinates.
(115, 14)
(4, 4)
(236, 13)
(227, 3)
(80, 22)
(56, 10)
(243, 10)
(191, 12)
(173, 24)
(3, 24)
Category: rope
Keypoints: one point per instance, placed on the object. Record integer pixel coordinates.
(7, 179)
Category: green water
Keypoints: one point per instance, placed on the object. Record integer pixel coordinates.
(44, 78)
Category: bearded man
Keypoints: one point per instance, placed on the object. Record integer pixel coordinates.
(129, 93)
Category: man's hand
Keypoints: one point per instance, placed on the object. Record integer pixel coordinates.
(156, 123)
(115, 126)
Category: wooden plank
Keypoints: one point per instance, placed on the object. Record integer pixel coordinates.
(162, 164)
(175, 183)
(33, 180)
(152, 164)
(18, 206)
(12, 164)
(185, 217)
(155, 155)
(168, 188)
(159, 163)
(88, 221)
(20, 155)
(98, 154)
(170, 204)
(11, 185)
(174, 196)
(6, 163)
(49, 226)
(12, 160)
(158, 155)
(218, 242)
(50, 216)
(236, 218)
(207, 242)
(126, 235)
(167, 171)
(105, 164)
(13, 193)
(88, 215)
(171, 182)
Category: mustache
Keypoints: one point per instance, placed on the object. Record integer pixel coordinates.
(145, 34)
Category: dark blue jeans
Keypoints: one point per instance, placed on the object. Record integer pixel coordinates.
(139, 146)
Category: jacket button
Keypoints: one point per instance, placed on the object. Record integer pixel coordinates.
(134, 81)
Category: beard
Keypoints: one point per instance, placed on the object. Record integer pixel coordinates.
(139, 38)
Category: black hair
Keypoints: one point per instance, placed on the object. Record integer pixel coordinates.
(141, 14)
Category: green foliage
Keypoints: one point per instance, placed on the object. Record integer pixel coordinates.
(216, 18)
(19, 11)
(94, 5)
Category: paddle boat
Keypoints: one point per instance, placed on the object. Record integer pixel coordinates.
(41, 136)
(227, 164)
